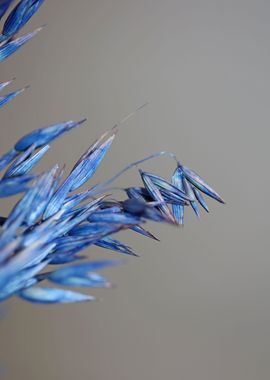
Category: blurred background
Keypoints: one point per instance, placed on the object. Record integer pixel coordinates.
(196, 305)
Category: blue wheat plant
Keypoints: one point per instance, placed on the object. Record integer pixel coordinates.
(53, 221)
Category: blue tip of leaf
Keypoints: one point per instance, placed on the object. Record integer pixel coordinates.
(52, 295)
(11, 47)
(6, 98)
(43, 136)
(198, 182)
(5, 84)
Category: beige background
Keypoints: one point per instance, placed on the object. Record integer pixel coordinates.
(196, 305)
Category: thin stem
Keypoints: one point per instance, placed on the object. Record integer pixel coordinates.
(127, 117)
(103, 186)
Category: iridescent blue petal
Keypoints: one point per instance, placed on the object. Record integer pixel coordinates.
(91, 279)
(71, 243)
(21, 158)
(195, 208)
(52, 295)
(5, 84)
(89, 162)
(19, 16)
(92, 229)
(22, 279)
(200, 199)
(17, 216)
(67, 224)
(178, 210)
(167, 187)
(6, 98)
(83, 170)
(115, 245)
(189, 191)
(114, 218)
(75, 199)
(156, 195)
(111, 207)
(11, 47)
(43, 136)
(25, 258)
(12, 186)
(42, 196)
(58, 199)
(82, 274)
(7, 158)
(2, 220)
(23, 167)
(81, 269)
(7, 250)
(142, 231)
(198, 182)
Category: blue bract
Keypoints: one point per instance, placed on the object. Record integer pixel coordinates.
(51, 223)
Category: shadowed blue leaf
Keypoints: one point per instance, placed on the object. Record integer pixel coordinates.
(64, 258)
(139, 193)
(4, 5)
(134, 206)
(156, 195)
(142, 194)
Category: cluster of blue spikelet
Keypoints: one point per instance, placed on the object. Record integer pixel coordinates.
(52, 222)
